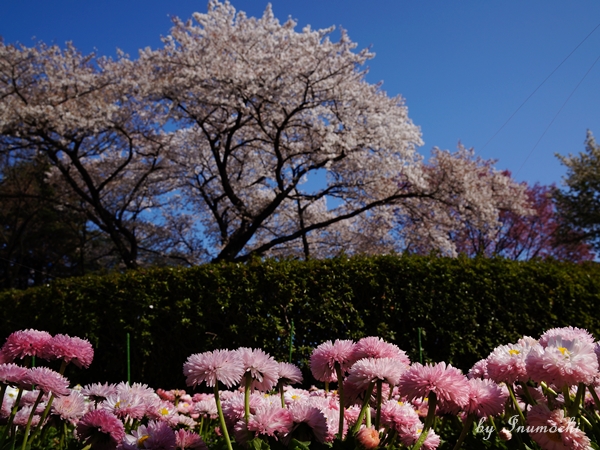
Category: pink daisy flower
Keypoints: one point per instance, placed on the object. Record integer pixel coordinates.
(22, 417)
(566, 333)
(400, 417)
(70, 407)
(188, 440)
(563, 362)
(447, 382)
(154, 436)
(69, 349)
(48, 380)
(206, 408)
(552, 430)
(479, 370)
(12, 374)
(506, 364)
(25, 343)
(97, 392)
(305, 413)
(432, 441)
(375, 347)
(225, 366)
(366, 370)
(325, 357)
(126, 405)
(263, 369)
(271, 420)
(289, 373)
(101, 429)
(486, 398)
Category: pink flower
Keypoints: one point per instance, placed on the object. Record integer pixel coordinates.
(126, 405)
(48, 380)
(327, 355)
(12, 374)
(368, 438)
(188, 440)
(70, 407)
(154, 436)
(479, 370)
(289, 373)
(25, 343)
(366, 370)
(271, 419)
(486, 398)
(97, 392)
(566, 333)
(563, 362)
(101, 429)
(225, 366)
(399, 416)
(69, 349)
(552, 430)
(447, 382)
(304, 412)
(506, 364)
(263, 369)
(375, 347)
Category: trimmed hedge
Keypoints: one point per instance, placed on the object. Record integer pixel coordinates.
(465, 307)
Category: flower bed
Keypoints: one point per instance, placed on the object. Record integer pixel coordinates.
(535, 393)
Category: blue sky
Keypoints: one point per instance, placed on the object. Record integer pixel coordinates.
(463, 66)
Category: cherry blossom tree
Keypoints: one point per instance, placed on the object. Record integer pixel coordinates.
(89, 118)
(261, 109)
(241, 136)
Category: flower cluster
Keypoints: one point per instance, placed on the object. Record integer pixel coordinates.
(536, 393)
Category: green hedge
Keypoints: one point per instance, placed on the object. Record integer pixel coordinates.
(465, 308)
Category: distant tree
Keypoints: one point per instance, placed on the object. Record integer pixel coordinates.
(537, 234)
(578, 203)
(39, 240)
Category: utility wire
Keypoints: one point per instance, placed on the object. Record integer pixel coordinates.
(556, 115)
(537, 88)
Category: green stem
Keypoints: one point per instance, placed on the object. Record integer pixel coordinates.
(379, 400)
(432, 401)
(222, 418)
(527, 394)
(466, 427)
(578, 399)
(280, 389)
(516, 403)
(247, 387)
(340, 378)
(28, 426)
(363, 409)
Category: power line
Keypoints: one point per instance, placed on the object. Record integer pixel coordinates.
(540, 85)
(556, 115)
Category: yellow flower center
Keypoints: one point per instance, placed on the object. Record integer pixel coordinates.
(141, 440)
(564, 351)
(164, 412)
(513, 351)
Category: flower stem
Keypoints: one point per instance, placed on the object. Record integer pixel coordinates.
(338, 371)
(466, 427)
(222, 418)
(432, 400)
(365, 404)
